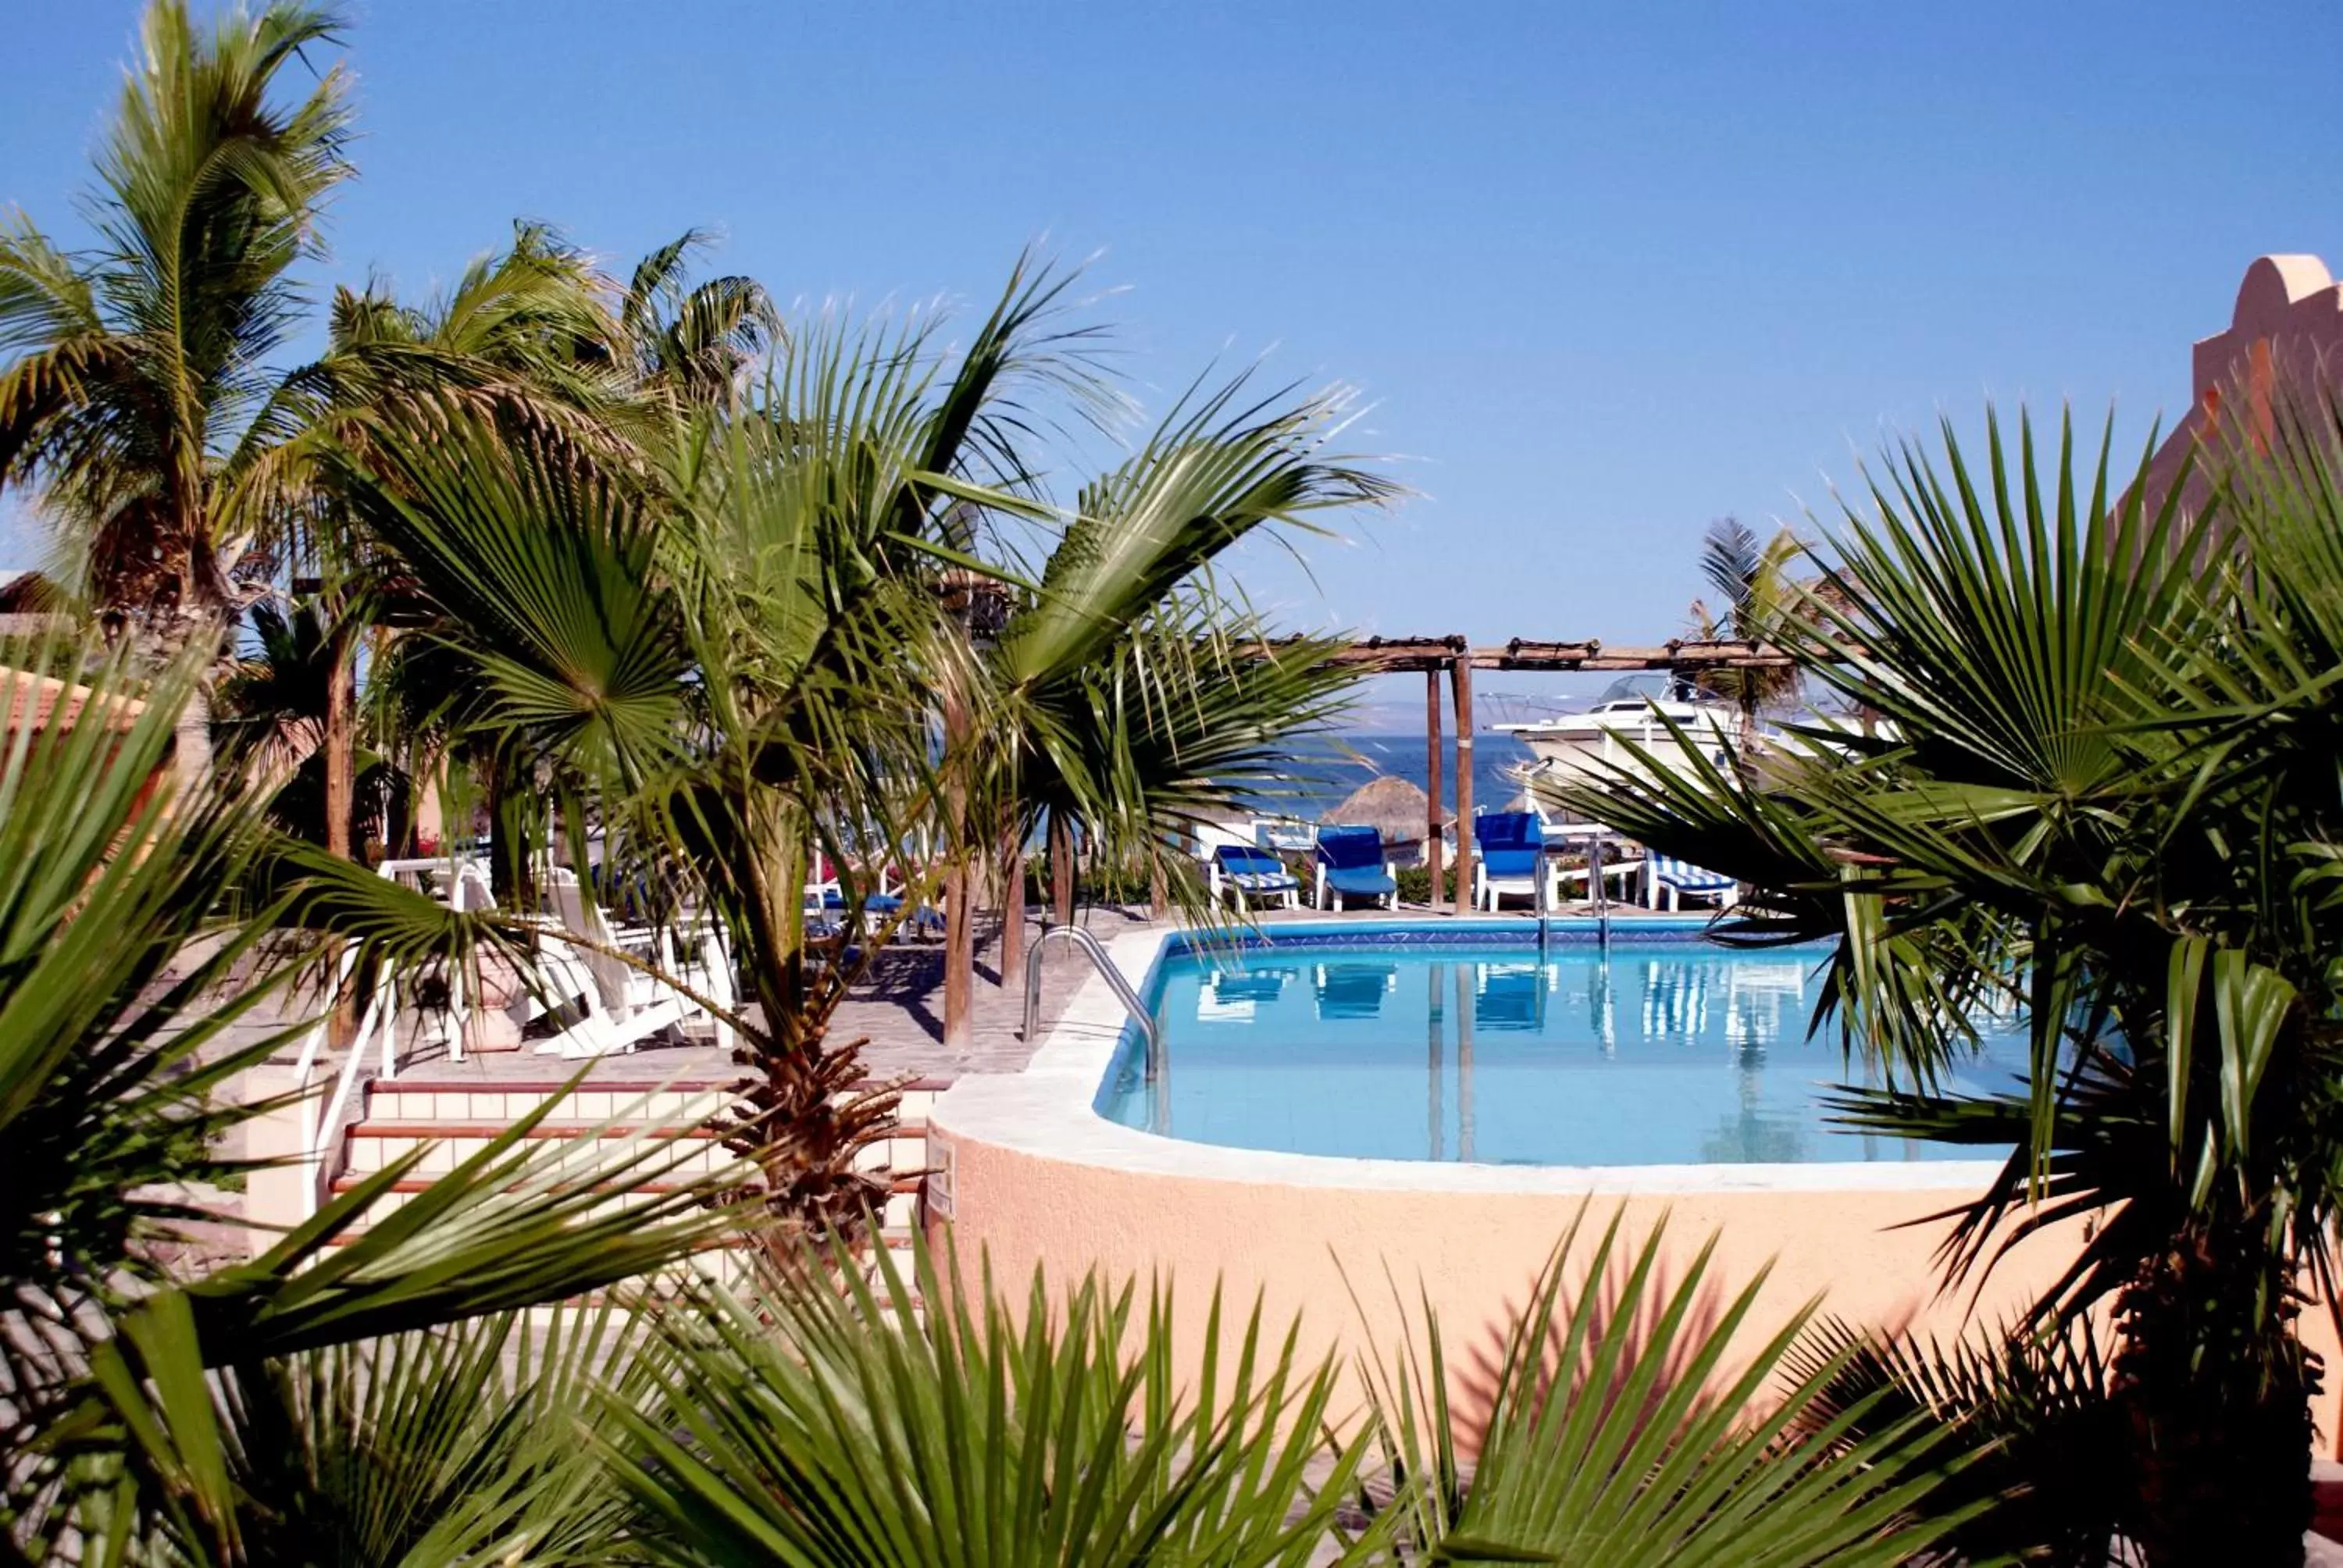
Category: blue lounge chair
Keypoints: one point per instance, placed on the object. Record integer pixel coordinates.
(1351, 866)
(1665, 877)
(1512, 855)
(1245, 872)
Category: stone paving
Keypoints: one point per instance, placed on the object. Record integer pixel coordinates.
(897, 1008)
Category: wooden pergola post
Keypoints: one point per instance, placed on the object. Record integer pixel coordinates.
(1433, 852)
(1459, 670)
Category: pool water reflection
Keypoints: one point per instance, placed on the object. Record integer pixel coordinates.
(1657, 1053)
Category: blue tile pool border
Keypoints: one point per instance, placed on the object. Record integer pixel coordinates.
(1571, 930)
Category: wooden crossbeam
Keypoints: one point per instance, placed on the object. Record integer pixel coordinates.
(1679, 653)
(1389, 655)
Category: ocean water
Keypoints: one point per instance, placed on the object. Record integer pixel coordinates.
(1656, 1053)
(1326, 774)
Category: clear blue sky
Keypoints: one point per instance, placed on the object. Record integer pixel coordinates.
(1606, 272)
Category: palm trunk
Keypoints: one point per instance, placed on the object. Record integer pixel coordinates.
(1062, 868)
(185, 636)
(960, 882)
(340, 743)
(1012, 910)
(191, 741)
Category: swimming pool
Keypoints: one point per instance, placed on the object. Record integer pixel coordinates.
(1399, 1044)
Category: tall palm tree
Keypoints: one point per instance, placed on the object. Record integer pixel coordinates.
(1133, 699)
(526, 328)
(138, 393)
(743, 657)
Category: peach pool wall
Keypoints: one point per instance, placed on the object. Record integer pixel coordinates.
(1474, 1254)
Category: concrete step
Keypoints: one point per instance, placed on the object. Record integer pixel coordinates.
(449, 1127)
(900, 1210)
(505, 1098)
(371, 1145)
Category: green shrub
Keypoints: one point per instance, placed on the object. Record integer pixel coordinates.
(1415, 884)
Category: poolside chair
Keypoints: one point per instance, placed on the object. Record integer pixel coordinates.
(1354, 990)
(1667, 878)
(1626, 873)
(825, 896)
(1512, 855)
(1245, 873)
(460, 883)
(619, 1005)
(1283, 835)
(1351, 865)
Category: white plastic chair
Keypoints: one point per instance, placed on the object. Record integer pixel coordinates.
(623, 1005)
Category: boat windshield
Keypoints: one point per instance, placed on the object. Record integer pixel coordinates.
(1648, 687)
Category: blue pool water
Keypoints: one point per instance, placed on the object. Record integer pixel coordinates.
(1660, 1052)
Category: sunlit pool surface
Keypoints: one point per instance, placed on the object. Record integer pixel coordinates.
(1658, 1053)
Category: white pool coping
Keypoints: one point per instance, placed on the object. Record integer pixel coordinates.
(1048, 1111)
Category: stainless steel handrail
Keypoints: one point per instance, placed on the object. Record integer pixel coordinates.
(1601, 889)
(1090, 946)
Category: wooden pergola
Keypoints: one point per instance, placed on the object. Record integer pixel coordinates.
(1458, 657)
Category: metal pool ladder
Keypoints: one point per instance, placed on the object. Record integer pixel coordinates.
(1089, 945)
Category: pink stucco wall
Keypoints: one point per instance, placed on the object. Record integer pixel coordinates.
(2285, 333)
(1472, 1253)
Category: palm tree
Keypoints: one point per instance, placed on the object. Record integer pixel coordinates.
(152, 931)
(1629, 1423)
(1755, 591)
(1133, 699)
(2103, 798)
(743, 655)
(524, 328)
(692, 343)
(139, 394)
(812, 1424)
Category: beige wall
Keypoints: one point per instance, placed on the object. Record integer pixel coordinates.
(1474, 1253)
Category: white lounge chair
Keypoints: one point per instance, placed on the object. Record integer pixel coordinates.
(1620, 864)
(1674, 881)
(622, 1005)
(460, 883)
(1243, 873)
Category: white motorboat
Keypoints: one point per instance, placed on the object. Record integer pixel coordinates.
(1636, 710)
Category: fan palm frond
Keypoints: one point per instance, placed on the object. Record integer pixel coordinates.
(811, 1425)
(1616, 1433)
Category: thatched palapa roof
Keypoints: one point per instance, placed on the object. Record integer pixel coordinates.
(1392, 806)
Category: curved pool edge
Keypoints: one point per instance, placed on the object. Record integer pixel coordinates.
(1049, 1110)
(1026, 1174)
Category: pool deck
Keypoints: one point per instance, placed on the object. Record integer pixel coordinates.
(898, 1006)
